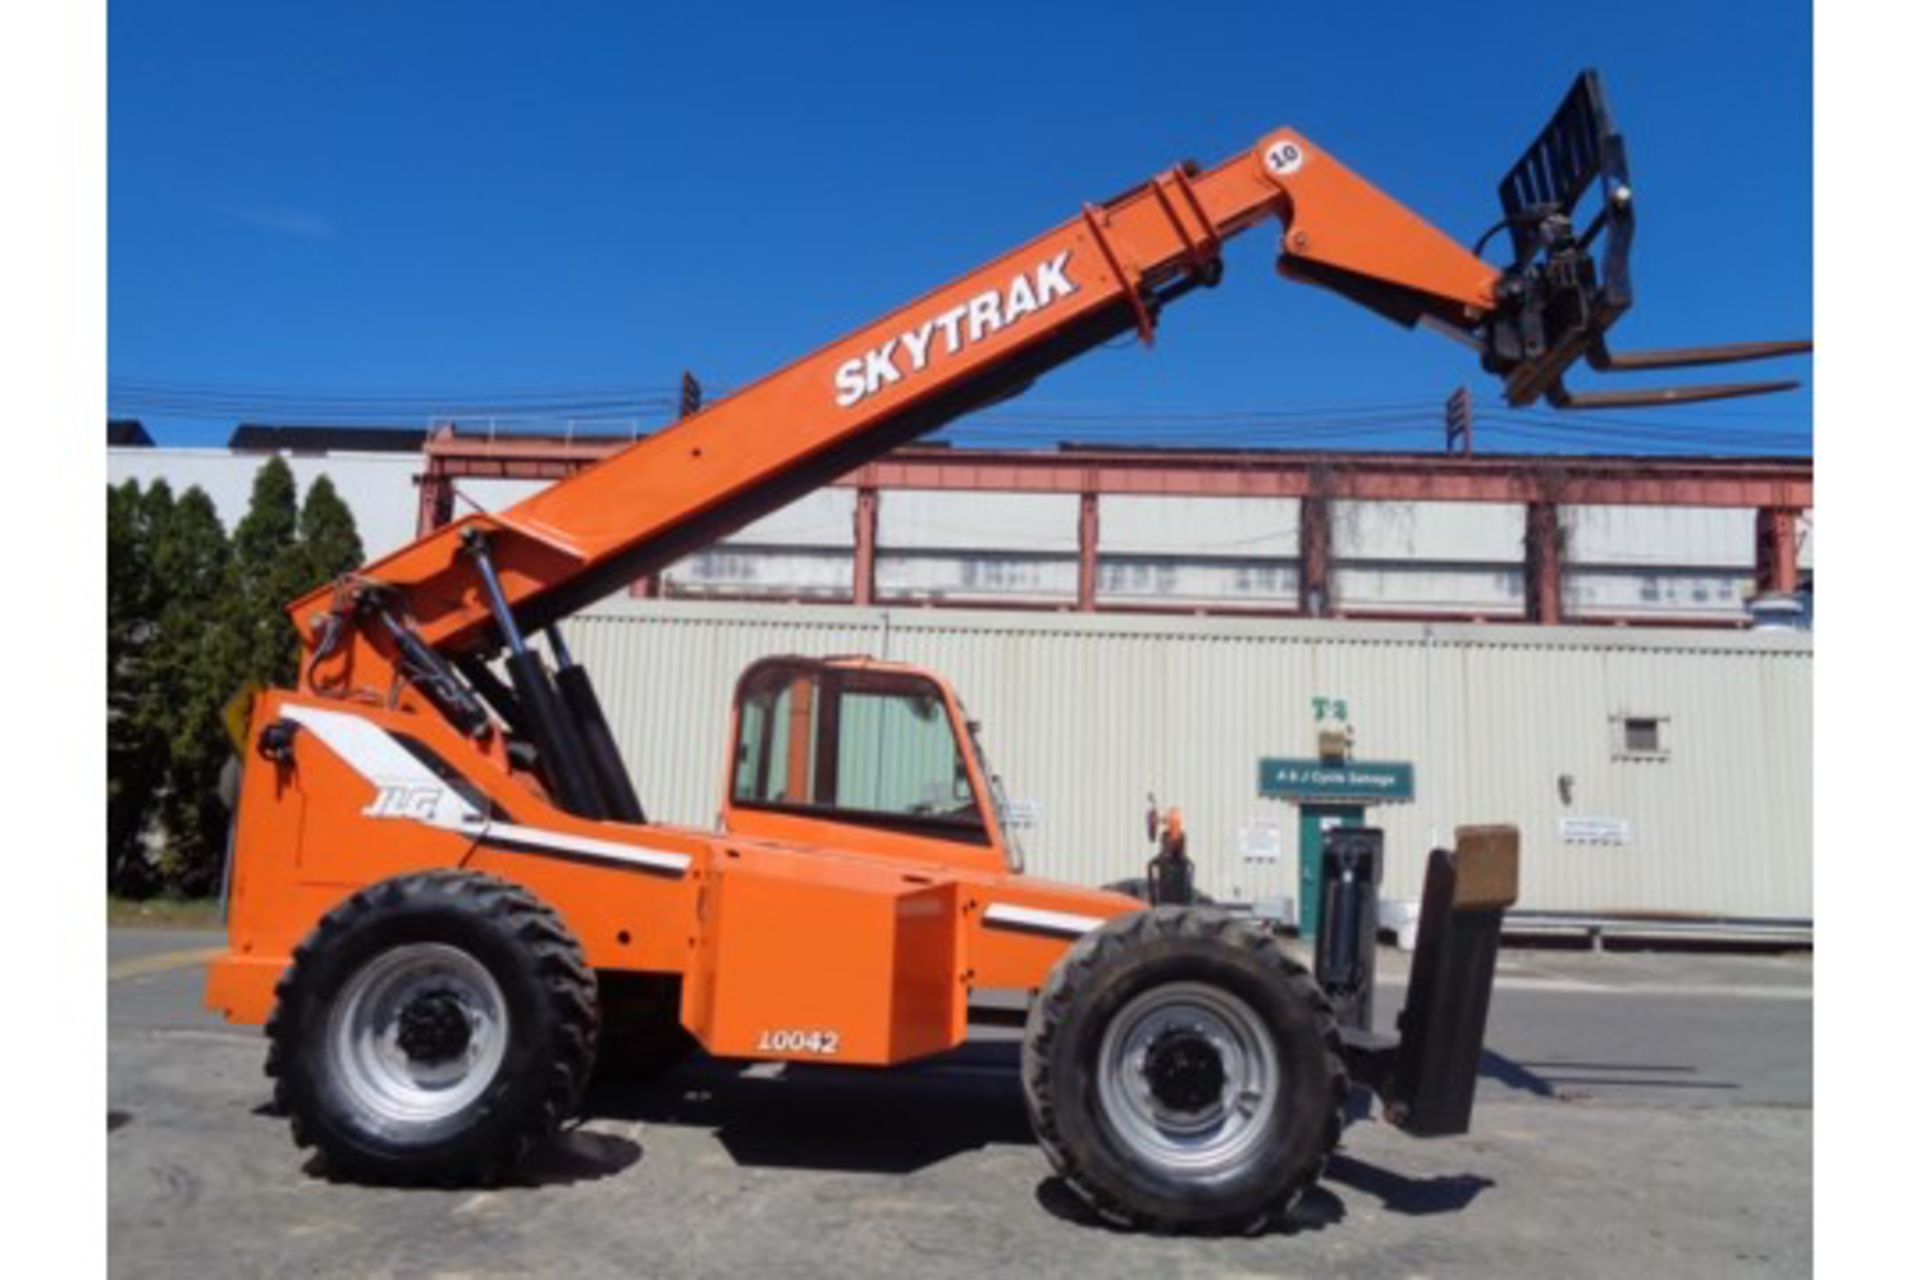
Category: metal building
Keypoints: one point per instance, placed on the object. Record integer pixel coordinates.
(1509, 538)
(1113, 644)
(1641, 541)
(1650, 771)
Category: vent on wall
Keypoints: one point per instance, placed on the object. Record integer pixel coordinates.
(1640, 737)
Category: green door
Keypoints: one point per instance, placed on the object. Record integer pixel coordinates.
(1315, 821)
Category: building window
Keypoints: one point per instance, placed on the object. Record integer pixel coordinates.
(1640, 738)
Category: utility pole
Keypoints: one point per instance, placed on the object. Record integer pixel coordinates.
(1460, 421)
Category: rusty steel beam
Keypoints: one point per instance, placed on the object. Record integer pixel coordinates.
(1316, 558)
(1776, 560)
(1543, 576)
(1462, 617)
(866, 540)
(436, 501)
(1359, 477)
(1703, 482)
(1086, 599)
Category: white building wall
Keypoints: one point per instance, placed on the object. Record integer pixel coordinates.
(1252, 528)
(938, 546)
(1428, 557)
(481, 493)
(377, 487)
(1657, 562)
(803, 550)
(1084, 714)
(1235, 552)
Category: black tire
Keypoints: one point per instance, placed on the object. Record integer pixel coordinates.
(495, 1018)
(1137, 888)
(1170, 961)
(640, 1032)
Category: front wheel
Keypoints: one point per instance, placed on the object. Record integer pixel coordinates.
(433, 1028)
(1181, 1072)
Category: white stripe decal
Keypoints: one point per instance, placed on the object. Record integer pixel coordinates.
(1033, 918)
(408, 790)
(362, 744)
(561, 842)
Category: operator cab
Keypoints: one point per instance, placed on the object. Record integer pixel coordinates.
(872, 757)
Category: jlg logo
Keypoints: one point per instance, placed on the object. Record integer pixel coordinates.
(984, 314)
(418, 803)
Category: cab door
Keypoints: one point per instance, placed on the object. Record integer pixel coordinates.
(864, 759)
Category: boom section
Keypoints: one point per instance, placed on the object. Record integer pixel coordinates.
(978, 339)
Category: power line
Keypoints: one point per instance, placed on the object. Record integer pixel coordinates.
(396, 394)
(1590, 445)
(1656, 422)
(1578, 429)
(1367, 423)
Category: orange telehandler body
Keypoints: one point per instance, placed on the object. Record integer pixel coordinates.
(310, 834)
(782, 922)
(426, 912)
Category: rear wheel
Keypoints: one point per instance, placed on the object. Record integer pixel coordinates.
(433, 1028)
(1181, 1072)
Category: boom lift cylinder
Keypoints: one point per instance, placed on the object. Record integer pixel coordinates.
(564, 763)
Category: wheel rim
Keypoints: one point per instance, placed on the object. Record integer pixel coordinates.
(1188, 1079)
(416, 1036)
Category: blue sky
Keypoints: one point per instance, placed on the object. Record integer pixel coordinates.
(444, 205)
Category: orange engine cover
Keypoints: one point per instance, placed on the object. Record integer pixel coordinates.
(812, 957)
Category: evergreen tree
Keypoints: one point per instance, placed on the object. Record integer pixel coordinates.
(195, 666)
(136, 742)
(329, 542)
(268, 573)
(128, 577)
(191, 618)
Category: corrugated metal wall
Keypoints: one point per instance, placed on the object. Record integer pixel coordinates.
(1084, 714)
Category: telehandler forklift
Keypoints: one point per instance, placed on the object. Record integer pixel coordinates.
(446, 898)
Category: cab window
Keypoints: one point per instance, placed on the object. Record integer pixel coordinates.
(856, 746)
(897, 755)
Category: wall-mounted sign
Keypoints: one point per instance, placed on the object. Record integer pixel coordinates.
(1321, 780)
(1260, 841)
(1607, 831)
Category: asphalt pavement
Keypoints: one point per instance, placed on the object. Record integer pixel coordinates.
(1639, 1114)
